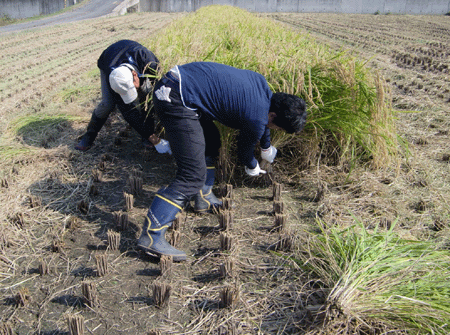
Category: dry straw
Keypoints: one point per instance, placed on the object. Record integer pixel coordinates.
(226, 241)
(6, 328)
(121, 220)
(43, 268)
(129, 201)
(226, 218)
(90, 294)
(179, 220)
(226, 268)
(161, 294)
(166, 264)
(75, 323)
(22, 297)
(229, 296)
(101, 261)
(113, 240)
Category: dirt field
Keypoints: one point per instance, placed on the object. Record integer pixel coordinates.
(60, 206)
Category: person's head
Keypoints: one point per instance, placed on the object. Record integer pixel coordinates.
(287, 112)
(124, 80)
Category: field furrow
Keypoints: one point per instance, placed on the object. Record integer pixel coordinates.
(419, 45)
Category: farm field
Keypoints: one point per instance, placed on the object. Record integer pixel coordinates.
(60, 206)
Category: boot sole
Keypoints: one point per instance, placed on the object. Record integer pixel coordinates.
(175, 258)
(206, 211)
(212, 210)
(83, 149)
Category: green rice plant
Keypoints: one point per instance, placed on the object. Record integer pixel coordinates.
(39, 122)
(349, 111)
(227, 155)
(375, 277)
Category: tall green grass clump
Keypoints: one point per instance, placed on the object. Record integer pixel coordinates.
(349, 116)
(379, 278)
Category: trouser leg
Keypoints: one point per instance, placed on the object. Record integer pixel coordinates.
(99, 116)
(185, 135)
(205, 200)
(188, 148)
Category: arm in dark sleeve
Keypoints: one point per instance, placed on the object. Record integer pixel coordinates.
(145, 57)
(247, 140)
(143, 124)
(265, 139)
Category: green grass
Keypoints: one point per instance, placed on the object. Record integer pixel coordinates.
(6, 20)
(9, 152)
(39, 123)
(377, 276)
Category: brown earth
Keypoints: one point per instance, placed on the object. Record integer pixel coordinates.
(59, 205)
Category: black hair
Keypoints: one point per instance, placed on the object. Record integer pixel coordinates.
(290, 110)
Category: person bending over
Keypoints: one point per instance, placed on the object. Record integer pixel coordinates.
(127, 73)
(187, 100)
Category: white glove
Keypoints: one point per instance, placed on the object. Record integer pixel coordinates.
(163, 147)
(254, 172)
(146, 86)
(269, 154)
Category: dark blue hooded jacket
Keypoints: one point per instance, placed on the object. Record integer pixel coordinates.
(236, 98)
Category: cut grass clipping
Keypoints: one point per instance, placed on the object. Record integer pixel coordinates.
(378, 278)
(349, 112)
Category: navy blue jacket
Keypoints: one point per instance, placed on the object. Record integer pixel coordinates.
(237, 98)
(126, 51)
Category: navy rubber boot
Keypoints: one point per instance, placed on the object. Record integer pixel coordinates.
(163, 210)
(205, 201)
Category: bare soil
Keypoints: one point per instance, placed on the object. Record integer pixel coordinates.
(60, 205)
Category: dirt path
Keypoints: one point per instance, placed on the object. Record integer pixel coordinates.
(88, 9)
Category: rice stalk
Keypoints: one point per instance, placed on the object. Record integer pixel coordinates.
(349, 113)
(379, 277)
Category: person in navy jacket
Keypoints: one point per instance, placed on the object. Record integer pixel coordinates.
(127, 72)
(187, 100)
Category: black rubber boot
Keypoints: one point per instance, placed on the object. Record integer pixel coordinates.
(92, 130)
(163, 210)
(205, 201)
